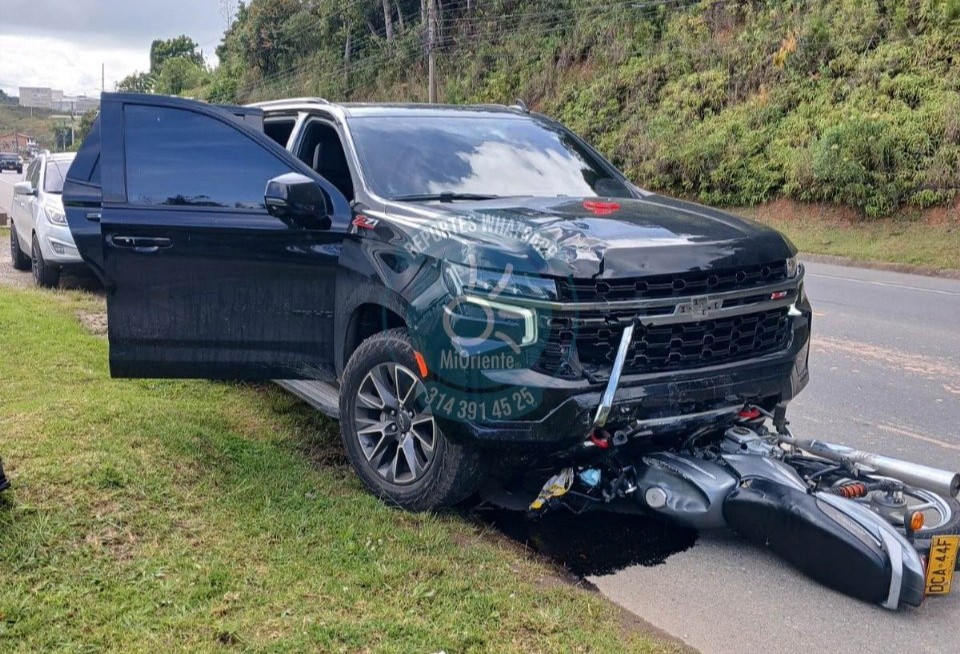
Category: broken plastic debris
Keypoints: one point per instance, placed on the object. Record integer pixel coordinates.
(556, 486)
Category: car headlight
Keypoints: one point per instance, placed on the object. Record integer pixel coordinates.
(56, 216)
(497, 284)
(793, 267)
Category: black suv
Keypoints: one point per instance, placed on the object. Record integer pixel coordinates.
(11, 161)
(476, 288)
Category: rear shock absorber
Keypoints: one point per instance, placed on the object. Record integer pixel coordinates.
(850, 491)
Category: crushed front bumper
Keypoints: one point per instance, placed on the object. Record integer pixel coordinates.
(565, 410)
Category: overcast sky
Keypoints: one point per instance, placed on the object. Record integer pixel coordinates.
(61, 43)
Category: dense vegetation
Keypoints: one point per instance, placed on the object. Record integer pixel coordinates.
(855, 102)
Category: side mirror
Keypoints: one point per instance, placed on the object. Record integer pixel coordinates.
(24, 188)
(298, 201)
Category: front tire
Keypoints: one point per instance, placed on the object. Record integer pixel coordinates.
(46, 275)
(18, 257)
(390, 435)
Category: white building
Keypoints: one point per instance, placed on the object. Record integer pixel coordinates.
(76, 105)
(41, 98)
(46, 98)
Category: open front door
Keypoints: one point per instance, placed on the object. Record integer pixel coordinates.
(166, 202)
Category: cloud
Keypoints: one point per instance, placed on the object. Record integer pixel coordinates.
(61, 44)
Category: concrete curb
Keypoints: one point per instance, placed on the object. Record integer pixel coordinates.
(926, 271)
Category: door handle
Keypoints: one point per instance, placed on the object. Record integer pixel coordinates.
(141, 243)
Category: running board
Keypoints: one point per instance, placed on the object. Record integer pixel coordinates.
(322, 396)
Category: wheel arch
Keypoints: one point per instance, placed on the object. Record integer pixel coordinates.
(366, 319)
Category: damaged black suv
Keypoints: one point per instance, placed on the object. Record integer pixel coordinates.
(471, 290)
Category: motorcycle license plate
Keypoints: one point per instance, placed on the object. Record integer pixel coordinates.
(941, 563)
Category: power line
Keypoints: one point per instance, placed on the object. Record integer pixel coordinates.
(554, 22)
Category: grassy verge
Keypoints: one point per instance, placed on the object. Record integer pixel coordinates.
(173, 515)
(915, 241)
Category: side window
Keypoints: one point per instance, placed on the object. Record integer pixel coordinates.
(33, 173)
(177, 157)
(322, 150)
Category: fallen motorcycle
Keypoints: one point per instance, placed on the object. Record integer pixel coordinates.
(880, 529)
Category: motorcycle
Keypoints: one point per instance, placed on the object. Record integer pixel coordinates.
(877, 528)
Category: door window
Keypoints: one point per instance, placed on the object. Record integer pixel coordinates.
(177, 157)
(322, 150)
(33, 174)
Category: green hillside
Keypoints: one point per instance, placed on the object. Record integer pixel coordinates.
(36, 123)
(854, 102)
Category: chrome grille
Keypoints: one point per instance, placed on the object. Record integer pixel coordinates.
(698, 282)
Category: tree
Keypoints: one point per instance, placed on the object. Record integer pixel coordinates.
(86, 123)
(136, 83)
(179, 74)
(175, 66)
(182, 46)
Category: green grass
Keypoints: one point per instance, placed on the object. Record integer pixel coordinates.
(181, 515)
(890, 240)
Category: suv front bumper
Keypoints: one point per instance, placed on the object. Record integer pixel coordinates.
(57, 245)
(666, 403)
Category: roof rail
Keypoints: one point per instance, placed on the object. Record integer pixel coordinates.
(520, 105)
(273, 103)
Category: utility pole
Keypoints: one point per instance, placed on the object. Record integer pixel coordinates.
(431, 50)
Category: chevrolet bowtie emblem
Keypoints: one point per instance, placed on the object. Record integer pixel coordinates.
(698, 306)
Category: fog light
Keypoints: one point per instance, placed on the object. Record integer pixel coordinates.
(57, 247)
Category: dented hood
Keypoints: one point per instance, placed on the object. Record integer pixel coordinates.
(586, 237)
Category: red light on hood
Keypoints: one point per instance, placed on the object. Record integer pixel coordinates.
(599, 208)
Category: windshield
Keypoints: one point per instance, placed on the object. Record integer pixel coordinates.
(56, 173)
(423, 156)
(6, 156)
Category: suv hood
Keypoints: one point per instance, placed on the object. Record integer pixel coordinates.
(586, 237)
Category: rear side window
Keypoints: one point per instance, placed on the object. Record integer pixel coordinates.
(177, 157)
(279, 129)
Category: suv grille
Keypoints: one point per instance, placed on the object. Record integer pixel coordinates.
(660, 348)
(673, 285)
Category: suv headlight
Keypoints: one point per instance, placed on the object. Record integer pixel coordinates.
(793, 267)
(487, 312)
(56, 216)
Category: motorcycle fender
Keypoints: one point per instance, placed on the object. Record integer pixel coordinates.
(832, 540)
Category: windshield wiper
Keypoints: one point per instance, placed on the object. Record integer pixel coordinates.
(444, 197)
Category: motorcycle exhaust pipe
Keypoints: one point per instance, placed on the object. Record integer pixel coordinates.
(942, 482)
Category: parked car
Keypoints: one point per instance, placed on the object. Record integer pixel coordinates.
(40, 238)
(11, 161)
(477, 287)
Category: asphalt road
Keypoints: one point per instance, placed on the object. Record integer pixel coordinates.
(885, 368)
